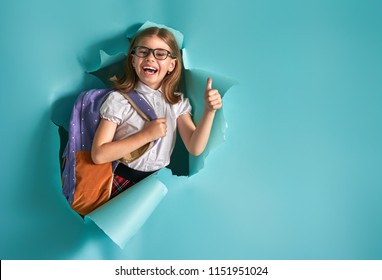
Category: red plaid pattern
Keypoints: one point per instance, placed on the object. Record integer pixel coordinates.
(120, 184)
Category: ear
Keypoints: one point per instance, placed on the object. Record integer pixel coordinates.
(172, 65)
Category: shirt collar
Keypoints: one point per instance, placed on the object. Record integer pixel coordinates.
(144, 89)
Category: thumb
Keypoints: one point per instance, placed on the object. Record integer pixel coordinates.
(209, 84)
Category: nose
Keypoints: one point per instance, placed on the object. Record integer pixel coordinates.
(150, 56)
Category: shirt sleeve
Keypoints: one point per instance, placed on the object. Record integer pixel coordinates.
(114, 108)
(183, 106)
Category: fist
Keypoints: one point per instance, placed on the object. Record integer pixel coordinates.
(212, 98)
(156, 129)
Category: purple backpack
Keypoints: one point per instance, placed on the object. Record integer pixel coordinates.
(84, 121)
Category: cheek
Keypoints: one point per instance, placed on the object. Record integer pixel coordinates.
(135, 62)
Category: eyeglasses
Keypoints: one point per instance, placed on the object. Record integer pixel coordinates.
(160, 54)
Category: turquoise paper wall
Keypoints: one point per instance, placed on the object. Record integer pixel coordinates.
(299, 175)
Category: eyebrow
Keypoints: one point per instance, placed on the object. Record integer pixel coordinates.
(152, 48)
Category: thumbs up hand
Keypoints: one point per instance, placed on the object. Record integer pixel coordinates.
(212, 98)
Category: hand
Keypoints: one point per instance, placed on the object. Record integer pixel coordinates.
(212, 98)
(155, 129)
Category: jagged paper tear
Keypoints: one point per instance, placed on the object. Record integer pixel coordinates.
(178, 35)
(121, 217)
(196, 80)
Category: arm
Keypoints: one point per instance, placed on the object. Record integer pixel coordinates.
(104, 149)
(196, 138)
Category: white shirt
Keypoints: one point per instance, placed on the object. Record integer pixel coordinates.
(117, 109)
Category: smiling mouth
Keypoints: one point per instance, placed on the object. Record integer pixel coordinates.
(150, 70)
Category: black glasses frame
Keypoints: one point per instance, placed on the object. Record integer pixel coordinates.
(153, 51)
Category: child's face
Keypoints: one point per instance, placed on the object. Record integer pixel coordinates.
(150, 70)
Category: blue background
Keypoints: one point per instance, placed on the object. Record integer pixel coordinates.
(299, 175)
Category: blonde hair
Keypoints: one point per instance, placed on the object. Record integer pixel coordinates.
(170, 84)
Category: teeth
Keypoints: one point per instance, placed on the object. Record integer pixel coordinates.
(149, 68)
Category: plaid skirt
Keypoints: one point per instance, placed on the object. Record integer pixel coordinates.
(126, 177)
(120, 184)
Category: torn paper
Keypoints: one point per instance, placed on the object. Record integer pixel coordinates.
(121, 217)
(195, 83)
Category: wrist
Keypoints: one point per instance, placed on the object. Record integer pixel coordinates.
(208, 111)
(146, 136)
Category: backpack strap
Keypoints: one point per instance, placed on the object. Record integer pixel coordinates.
(141, 106)
(148, 114)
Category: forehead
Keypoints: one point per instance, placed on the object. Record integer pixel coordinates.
(153, 42)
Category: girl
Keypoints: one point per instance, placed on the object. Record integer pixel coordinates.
(153, 69)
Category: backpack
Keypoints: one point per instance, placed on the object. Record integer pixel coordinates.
(86, 185)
